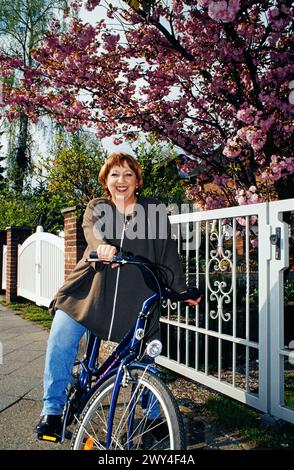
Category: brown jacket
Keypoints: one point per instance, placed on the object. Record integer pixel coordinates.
(108, 300)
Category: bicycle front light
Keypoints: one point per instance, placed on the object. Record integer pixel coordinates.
(154, 348)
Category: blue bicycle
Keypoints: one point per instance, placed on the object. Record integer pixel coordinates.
(123, 403)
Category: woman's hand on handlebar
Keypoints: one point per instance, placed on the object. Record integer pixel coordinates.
(192, 301)
(105, 253)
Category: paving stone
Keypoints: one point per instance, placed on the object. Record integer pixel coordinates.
(23, 355)
(35, 394)
(16, 385)
(16, 428)
(6, 401)
(9, 367)
(33, 369)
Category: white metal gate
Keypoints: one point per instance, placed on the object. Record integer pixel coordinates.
(225, 342)
(40, 267)
(282, 315)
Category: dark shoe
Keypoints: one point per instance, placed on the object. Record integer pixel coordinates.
(49, 428)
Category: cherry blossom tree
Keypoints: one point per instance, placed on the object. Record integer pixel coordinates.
(211, 76)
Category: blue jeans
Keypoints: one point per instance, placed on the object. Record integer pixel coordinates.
(62, 348)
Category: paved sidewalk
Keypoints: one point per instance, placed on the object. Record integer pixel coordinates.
(23, 347)
(21, 372)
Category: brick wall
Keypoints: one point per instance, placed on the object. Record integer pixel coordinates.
(2, 243)
(15, 236)
(74, 240)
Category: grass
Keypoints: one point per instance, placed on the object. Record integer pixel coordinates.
(31, 312)
(289, 389)
(235, 417)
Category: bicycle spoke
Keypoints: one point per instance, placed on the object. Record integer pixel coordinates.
(132, 428)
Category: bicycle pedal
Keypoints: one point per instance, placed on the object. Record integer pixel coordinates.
(44, 437)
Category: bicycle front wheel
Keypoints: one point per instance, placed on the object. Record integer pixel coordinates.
(146, 416)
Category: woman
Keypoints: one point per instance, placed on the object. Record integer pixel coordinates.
(106, 300)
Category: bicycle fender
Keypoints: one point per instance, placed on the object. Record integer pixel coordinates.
(133, 365)
(142, 365)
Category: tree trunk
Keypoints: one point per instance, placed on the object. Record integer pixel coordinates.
(22, 157)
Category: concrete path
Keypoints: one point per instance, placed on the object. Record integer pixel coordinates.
(22, 354)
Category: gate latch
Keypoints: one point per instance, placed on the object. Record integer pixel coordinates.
(275, 239)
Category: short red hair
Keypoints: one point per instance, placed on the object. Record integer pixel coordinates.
(119, 158)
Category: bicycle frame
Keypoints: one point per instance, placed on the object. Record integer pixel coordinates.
(126, 353)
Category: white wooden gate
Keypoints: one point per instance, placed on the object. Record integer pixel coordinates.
(4, 267)
(233, 341)
(40, 267)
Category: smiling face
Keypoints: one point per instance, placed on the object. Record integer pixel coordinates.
(121, 183)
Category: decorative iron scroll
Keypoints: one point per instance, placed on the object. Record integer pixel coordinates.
(168, 303)
(220, 261)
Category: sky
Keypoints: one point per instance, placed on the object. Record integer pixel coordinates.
(41, 134)
(92, 17)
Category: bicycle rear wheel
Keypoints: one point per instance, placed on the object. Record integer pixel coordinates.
(134, 426)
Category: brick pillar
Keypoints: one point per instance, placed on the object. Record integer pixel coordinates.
(74, 240)
(15, 236)
(2, 243)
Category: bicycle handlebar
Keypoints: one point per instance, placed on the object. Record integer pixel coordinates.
(123, 258)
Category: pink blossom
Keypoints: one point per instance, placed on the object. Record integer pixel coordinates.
(203, 3)
(265, 176)
(246, 113)
(117, 141)
(258, 141)
(76, 4)
(273, 13)
(280, 167)
(253, 219)
(241, 221)
(223, 10)
(241, 133)
(91, 4)
(232, 149)
(256, 138)
(241, 200)
(254, 242)
(253, 199)
(110, 42)
(266, 124)
(248, 197)
(195, 96)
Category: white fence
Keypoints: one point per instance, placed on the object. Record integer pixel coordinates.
(240, 339)
(40, 267)
(235, 340)
(4, 267)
